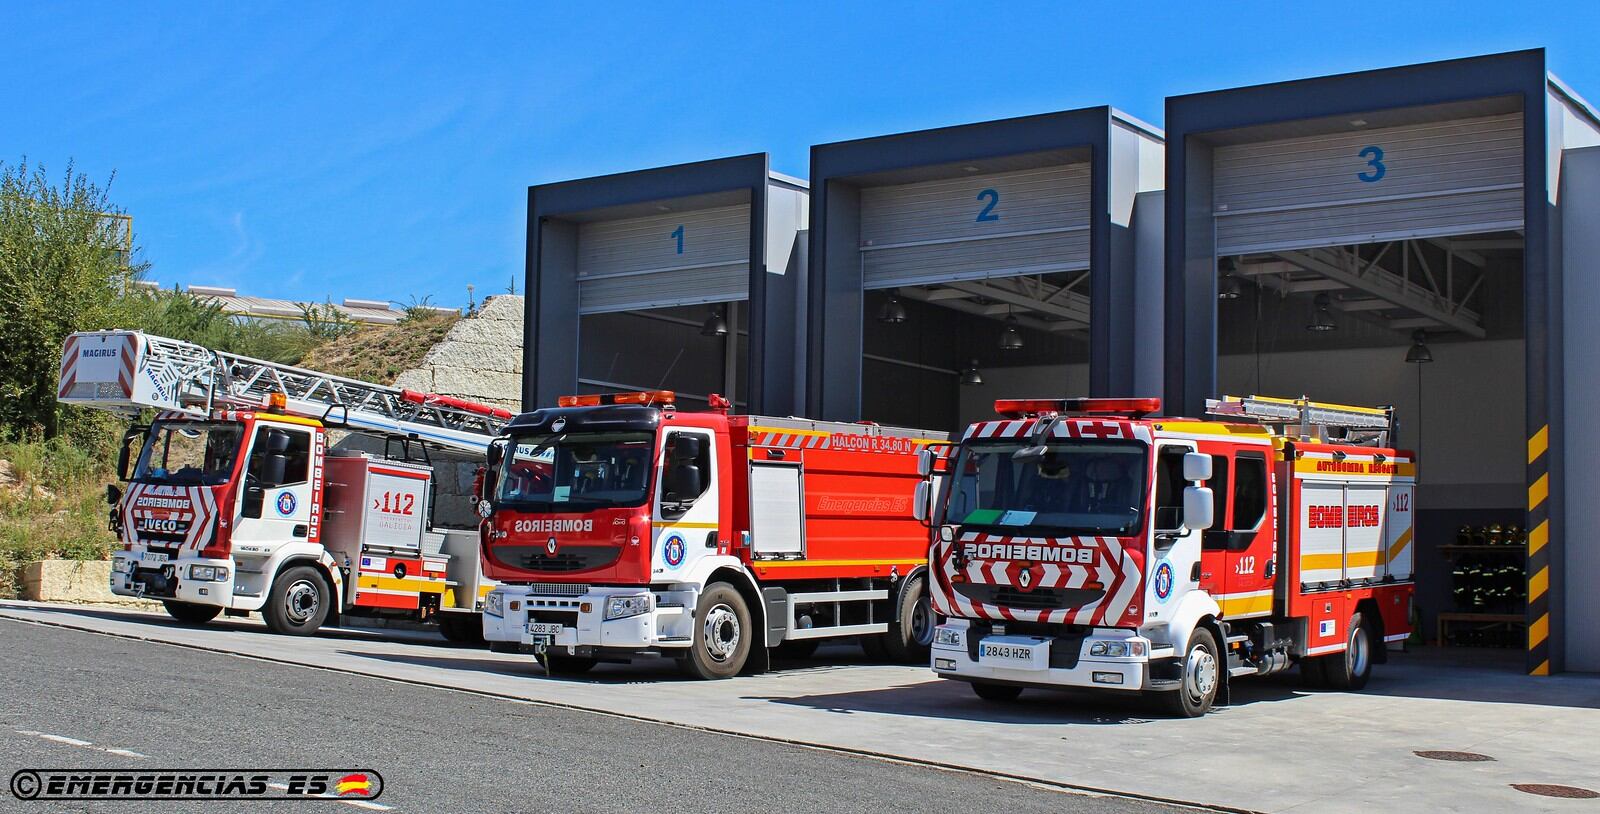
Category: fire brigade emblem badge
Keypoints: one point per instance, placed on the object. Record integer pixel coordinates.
(673, 550)
(1163, 580)
(550, 546)
(286, 504)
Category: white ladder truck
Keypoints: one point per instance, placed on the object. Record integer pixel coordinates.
(236, 502)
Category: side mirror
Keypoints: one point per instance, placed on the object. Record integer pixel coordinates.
(496, 454)
(126, 452)
(919, 501)
(925, 459)
(254, 498)
(683, 482)
(684, 448)
(1199, 507)
(1197, 466)
(113, 494)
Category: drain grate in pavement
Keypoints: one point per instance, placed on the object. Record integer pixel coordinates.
(1550, 790)
(1459, 757)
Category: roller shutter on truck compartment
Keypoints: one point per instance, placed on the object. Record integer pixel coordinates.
(1354, 533)
(676, 258)
(777, 511)
(1462, 176)
(1033, 221)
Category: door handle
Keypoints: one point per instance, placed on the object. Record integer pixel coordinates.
(711, 539)
(300, 530)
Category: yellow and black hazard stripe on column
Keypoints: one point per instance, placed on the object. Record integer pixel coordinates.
(1539, 552)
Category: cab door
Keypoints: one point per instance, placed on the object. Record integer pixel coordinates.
(687, 505)
(275, 501)
(1239, 566)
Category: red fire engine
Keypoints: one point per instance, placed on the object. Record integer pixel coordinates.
(1086, 543)
(620, 525)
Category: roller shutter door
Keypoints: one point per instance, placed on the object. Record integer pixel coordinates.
(1424, 180)
(677, 258)
(1005, 224)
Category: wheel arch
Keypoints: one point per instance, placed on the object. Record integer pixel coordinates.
(1372, 616)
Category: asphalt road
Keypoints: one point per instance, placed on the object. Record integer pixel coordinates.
(70, 699)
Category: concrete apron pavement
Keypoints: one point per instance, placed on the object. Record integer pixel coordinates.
(1277, 748)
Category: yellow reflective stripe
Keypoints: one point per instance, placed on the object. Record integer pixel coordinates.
(666, 525)
(1538, 443)
(1399, 545)
(1538, 537)
(1246, 606)
(1543, 669)
(788, 431)
(1538, 491)
(1538, 632)
(1332, 562)
(409, 584)
(1539, 583)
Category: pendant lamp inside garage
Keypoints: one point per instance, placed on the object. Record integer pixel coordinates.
(715, 325)
(971, 374)
(1419, 354)
(1322, 320)
(893, 311)
(1011, 338)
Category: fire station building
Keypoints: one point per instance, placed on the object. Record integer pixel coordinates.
(1426, 237)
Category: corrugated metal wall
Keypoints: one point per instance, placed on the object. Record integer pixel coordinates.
(647, 263)
(1422, 180)
(1005, 224)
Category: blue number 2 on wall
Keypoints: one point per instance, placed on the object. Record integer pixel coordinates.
(987, 213)
(678, 233)
(1374, 156)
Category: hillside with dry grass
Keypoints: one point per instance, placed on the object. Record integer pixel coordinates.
(379, 353)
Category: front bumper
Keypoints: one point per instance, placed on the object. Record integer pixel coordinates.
(142, 575)
(1066, 661)
(581, 616)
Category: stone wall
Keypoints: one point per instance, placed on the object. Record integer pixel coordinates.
(479, 360)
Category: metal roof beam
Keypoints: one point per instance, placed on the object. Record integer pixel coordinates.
(1387, 285)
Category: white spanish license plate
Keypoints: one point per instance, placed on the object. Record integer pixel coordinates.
(543, 629)
(1015, 652)
(153, 556)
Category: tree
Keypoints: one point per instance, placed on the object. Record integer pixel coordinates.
(64, 266)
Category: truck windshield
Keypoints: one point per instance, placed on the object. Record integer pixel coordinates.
(1077, 487)
(189, 453)
(574, 472)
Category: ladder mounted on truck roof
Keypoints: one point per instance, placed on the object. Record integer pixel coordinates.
(129, 371)
(1309, 420)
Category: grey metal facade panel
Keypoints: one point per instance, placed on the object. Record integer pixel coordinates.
(1439, 178)
(642, 263)
(1035, 221)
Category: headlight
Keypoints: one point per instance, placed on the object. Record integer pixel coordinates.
(947, 636)
(494, 604)
(122, 566)
(621, 607)
(1109, 649)
(208, 573)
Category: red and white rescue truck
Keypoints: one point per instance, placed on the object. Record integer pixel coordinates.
(619, 525)
(236, 503)
(1088, 543)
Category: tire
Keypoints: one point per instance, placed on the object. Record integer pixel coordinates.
(461, 628)
(996, 692)
(298, 602)
(875, 647)
(1351, 669)
(910, 635)
(798, 649)
(722, 634)
(1202, 677)
(567, 665)
(190, 613)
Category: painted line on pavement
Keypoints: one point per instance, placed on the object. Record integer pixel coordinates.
(64, 740)
(1038, 782)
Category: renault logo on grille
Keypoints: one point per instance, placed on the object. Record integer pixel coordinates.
(558, 425)
(550, 546)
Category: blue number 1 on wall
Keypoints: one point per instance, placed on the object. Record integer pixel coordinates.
(1374, 156)
(987, 212)
(678, 233)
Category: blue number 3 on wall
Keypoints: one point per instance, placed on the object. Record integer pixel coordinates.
(1374, 156)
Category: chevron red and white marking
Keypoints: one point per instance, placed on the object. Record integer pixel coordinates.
(72, 354)
(1063, 562)
(1105, 429)
(191, 509)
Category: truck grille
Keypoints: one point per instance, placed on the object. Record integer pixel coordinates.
(1037, 599)
(558, 589)
(566, 559)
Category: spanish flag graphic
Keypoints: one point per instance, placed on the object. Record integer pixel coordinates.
(354, 785)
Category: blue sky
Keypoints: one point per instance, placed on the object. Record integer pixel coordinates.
(384, 150)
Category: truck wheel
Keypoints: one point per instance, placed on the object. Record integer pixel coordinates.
(1202, 675)
(298, 602)
(461, 628)
(190, 613)
(996, 692)
(567, 665)
(1351, 669)
(911, 633)
(722, 634)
